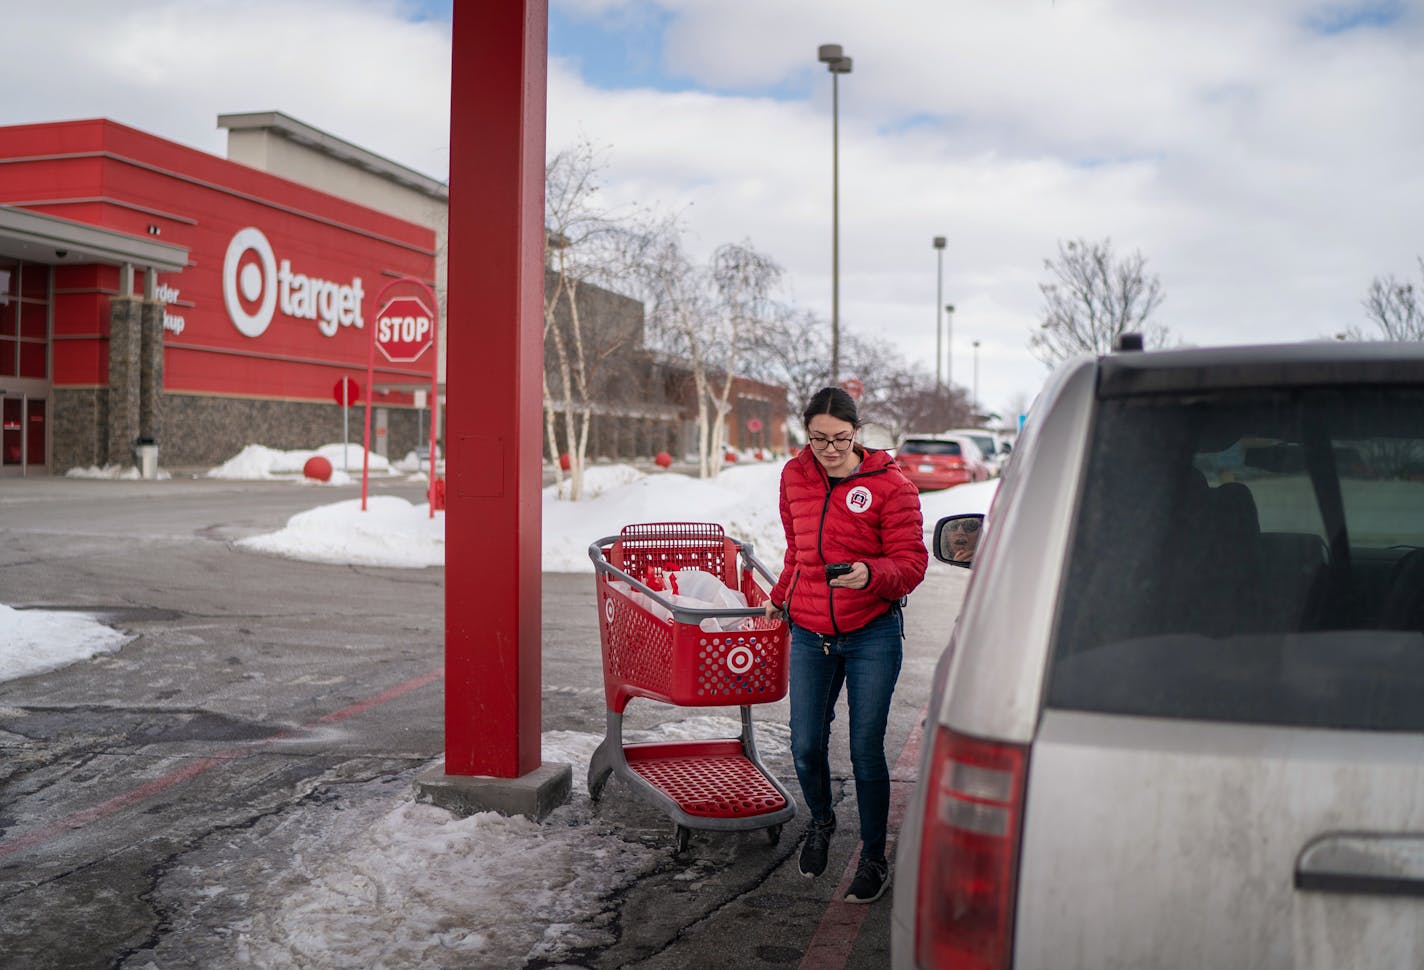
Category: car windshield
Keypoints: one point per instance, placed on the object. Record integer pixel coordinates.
(1251, 557)
(929, 448)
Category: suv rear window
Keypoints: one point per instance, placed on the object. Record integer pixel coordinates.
(1250, 556)
(929, 448)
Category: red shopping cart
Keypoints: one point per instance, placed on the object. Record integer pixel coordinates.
(659, 649)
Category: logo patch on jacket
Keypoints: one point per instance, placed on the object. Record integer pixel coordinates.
(858, 499)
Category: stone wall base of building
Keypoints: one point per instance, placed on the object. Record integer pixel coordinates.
(208, 430)
(79, 427)
(202, 430)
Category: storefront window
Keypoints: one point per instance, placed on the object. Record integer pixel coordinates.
(34, 282)
(34, 324)
(9, 317)
(33, 361)
(24, 320)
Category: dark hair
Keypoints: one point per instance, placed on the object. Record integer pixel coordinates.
(835, 402)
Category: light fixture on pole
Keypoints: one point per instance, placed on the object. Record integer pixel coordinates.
(976, 374)
(837, 63)
(939, 318)
(949, 345)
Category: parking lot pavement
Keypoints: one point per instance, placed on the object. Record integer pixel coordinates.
(263, 693)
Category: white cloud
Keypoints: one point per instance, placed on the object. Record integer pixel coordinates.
(1266, 170)
(171, 67)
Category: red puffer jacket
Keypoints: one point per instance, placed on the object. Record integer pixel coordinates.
(872, 516)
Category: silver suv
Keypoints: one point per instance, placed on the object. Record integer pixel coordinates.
(1180, 719)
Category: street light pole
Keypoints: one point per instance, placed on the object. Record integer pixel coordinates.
(976, 375)
(939, 318)
(949, 345)
(837, 63)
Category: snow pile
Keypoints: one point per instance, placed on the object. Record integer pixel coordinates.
(259, 463)
(38, 641)
(743, 499)
(116, 472)
(390, 532)
(957, 501)
(382, 882)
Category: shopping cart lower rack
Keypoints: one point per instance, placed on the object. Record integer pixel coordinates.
(657, 646)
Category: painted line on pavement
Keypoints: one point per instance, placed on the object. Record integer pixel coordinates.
(381, 698)
(192, 770)
(834, 938)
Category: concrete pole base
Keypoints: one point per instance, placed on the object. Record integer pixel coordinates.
(534, 795)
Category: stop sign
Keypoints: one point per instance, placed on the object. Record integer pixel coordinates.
(405, 328)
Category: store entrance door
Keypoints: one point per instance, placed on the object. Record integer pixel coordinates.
(22, 435)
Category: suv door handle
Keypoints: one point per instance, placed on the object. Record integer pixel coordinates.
(1362, 862)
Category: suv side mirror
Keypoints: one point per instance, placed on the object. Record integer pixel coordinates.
(956, 538)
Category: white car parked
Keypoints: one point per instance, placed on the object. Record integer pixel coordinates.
(1180, 719)
(990, 445)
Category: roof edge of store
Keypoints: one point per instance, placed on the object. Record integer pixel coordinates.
(337, 148)
(71, 241)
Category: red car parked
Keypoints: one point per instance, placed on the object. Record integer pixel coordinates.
(940, 461)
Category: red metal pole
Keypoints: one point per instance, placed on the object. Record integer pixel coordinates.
(434, 399)
(494, 360)
(370, 403)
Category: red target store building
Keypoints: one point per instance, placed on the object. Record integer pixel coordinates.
(153, 292)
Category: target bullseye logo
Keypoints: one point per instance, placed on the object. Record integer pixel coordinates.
(740, 659)
(250, 281)
(252, 274)
(608, 608)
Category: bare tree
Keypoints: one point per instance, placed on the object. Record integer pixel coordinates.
(1394, 307)
(583, 244)
(710, 317)
(792, 348)
(743, 280)
(682, 317)
(1092, 299)
(899, 397)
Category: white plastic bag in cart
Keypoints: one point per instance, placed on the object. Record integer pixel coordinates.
(700, 590)
(643, 600)
(694, 589)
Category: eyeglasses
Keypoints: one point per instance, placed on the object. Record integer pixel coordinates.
(840, 444)
(969, 526)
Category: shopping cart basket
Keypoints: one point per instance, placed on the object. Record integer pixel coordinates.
(656, 648)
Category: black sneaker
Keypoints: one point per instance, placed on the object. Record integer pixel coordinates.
(871, 878)
(816, 846)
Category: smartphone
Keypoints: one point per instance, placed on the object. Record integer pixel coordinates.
(834, 569)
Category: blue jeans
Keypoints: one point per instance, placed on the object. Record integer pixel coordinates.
(867, 662)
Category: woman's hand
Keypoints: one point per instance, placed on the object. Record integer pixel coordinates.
(857, 578)
(773, 612)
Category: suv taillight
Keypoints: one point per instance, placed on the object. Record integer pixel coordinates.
(964, 915)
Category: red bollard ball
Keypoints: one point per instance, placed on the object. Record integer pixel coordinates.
(731, 457)
(662, 459)
(759, 455)
(317, 468)
(564, 462)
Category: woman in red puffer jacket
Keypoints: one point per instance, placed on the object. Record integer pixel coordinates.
(854, 549)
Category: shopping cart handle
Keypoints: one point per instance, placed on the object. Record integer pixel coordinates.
(681, 614)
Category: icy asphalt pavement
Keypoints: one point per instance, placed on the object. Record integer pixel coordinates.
(267, 703)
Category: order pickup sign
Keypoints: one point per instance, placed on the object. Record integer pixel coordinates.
(404, 330)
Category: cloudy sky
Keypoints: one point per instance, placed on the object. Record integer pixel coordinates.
(1267, 159)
